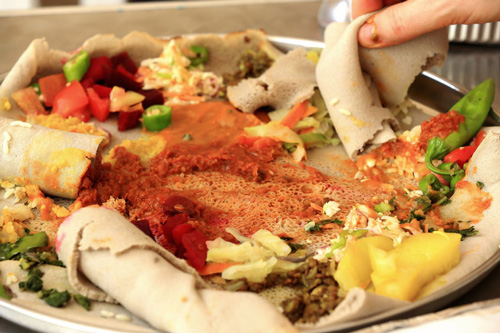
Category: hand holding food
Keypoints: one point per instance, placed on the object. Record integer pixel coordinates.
(402, 21)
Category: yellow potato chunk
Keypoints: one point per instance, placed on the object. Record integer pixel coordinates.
(402, 272)
(354, 268)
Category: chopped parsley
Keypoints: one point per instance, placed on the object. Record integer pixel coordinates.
(187, 137)
(55, 298)
(464, 232)
(414, 214)
(480, 185)
(82, 300)
(34, 281)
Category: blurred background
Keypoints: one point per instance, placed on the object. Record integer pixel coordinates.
(27, 4)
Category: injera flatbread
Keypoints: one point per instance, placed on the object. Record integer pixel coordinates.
(290, 80)
(109, 258)
(354, 82)
(57, 161)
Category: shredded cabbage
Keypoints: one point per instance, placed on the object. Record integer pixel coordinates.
(253, 271)
(272, 242)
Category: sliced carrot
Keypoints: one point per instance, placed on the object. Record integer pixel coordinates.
(310, 110)
(215, 267)
(296, 113)
(306, 130)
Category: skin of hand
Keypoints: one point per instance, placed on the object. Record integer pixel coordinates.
(399, 21)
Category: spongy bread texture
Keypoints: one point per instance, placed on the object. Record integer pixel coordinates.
(290, 80)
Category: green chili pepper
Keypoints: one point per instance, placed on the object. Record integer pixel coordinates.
(76, 67)
(474, 106)
(23, 244)
(201, 55)
(157, 117)
(433, 188)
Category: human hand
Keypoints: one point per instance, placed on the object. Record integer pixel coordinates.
(400, 21)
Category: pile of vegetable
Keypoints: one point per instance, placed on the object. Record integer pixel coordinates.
(96, 87)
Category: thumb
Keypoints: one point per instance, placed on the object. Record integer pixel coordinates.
(404, 21)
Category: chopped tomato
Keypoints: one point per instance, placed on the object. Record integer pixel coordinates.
(72, 101)
(172, 222)
(99, 107)
(180, 231)
(102, 91)
(50, 86)
(478, 138)
(195, 244)
(460, 155)
(28, 101)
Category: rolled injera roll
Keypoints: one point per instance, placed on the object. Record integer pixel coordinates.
(55, 160)
(108, 259)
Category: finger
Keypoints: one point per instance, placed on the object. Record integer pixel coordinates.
(405, 21)
(360, 7)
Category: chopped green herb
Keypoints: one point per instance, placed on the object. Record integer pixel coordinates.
(187, 137)
(342, 241)
(392, 202)
(55, 298)
(464, 232)
(383, 207)
(424, 203)
(480, 185)
(413, 215)
(229, 111)
(83, 301)
(443, 201)
(34, 281)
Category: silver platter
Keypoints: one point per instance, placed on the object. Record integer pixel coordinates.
(428, 89)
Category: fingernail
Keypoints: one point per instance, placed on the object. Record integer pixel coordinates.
(368, 34)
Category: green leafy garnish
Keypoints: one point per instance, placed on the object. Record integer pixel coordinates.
(55, 298)
(480, 185)
(82, 300)
(34, 281)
